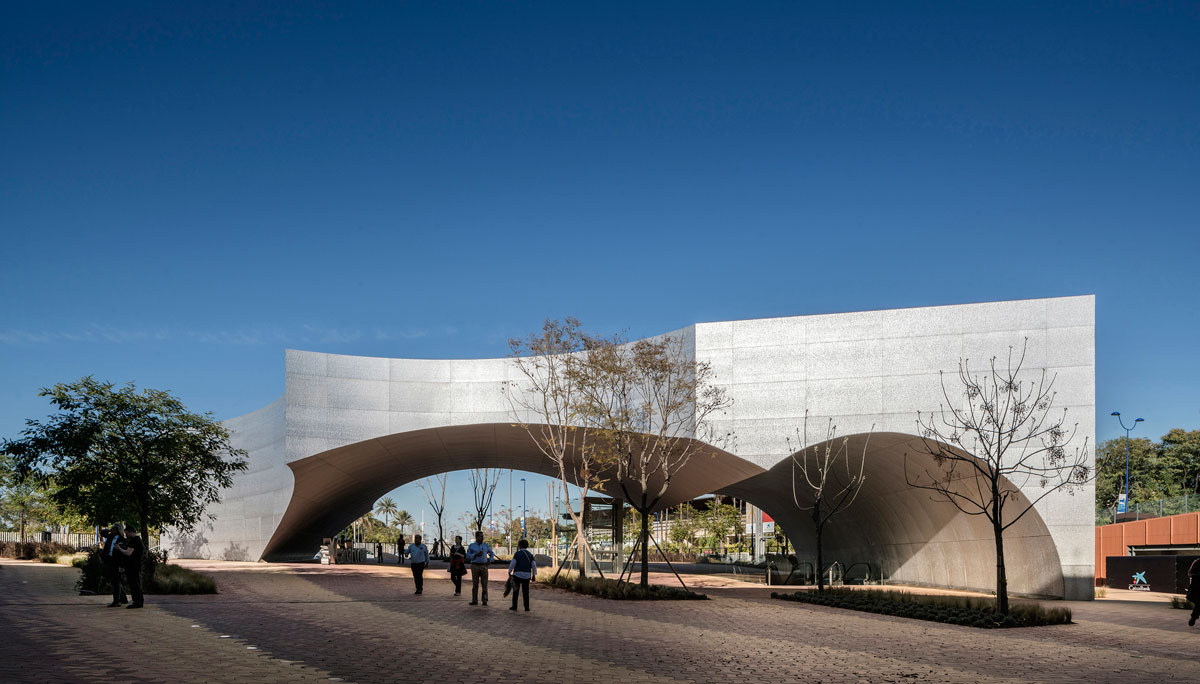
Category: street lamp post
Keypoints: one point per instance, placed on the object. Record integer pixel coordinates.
(522, 508)
(1124, 503)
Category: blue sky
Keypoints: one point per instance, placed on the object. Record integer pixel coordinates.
(186, 191)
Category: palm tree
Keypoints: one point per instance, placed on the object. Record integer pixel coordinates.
(387, 508)
(403, 519)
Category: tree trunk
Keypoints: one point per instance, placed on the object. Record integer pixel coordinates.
(579, 542)
(645, 537)
(820, 563)
(820, 569)
(1001, 577)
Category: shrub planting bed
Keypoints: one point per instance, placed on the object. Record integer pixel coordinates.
(1181, 603)
(611, 589)
(33, 550)
(954, 610)
(157, 577)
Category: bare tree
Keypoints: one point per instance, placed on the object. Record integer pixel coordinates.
(992, 439)
(547, 405)
(648, 402)
(825, 481)
(435, 493)
(483, 489)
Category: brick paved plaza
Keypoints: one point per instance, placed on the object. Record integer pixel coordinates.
(301, 623)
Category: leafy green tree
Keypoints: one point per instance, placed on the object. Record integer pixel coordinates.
(119, 454)
(720, 521)
(387, 508)
(1181, 448)
(22, 503)
(684, 528)
(403, 520)
(1151, 477)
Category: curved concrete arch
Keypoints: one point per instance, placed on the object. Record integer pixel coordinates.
(903, 531)
(334, 487)
(862, 369)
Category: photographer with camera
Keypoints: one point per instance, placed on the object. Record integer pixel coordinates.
(111, 559)
(133, 551)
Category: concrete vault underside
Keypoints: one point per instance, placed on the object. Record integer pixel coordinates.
(902, 531)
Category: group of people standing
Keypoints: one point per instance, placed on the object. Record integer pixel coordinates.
(122, 552)
(478, 556)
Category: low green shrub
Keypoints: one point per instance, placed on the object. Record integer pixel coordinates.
(49, 558)
(611, 589)
(176, 579)
(157, 576)
(32, 550)
(955, 610)
(1181, 603)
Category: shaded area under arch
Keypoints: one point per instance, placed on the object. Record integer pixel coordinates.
(335, 487)
(906, 533)
(913, 538)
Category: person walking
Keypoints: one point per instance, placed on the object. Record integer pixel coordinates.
(1193, 592)
(458, 564)
(400, 550)
(479, 554)
(521, 570)
(134, 550)
(418, 558)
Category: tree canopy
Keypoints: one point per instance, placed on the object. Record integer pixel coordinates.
(1164, 469)
(114, 454)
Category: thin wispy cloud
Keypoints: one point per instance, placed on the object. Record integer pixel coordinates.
(306, 334)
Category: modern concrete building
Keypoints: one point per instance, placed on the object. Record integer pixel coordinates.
(348, 429)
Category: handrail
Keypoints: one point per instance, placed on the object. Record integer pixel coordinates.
(855, 565)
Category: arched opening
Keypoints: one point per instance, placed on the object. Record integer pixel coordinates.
(907, 535)
(334, 487)
(900, 530)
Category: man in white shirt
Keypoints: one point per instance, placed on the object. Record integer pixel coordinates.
(418, 556)
(479, 554)
(521, 569)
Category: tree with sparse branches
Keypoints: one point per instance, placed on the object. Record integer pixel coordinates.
(435, 493)
(826, 480)
(648, 403)
(996, 435)
(483, 490)
(547, 405)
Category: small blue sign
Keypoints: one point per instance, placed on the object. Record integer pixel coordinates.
(1121, 503)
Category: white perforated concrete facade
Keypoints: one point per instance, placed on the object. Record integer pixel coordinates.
(864, 369)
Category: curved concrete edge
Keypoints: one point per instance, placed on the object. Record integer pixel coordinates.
(335, 487)
(906, 534)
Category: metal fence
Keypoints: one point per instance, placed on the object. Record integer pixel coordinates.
(78, 540)
(1188, 503)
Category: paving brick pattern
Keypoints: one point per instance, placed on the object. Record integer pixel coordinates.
(297, 623)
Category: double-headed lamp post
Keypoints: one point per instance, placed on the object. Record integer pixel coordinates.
(1127, 431)
(522, 508)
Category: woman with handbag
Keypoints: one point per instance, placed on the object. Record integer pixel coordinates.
(458, 564)
(521, 570)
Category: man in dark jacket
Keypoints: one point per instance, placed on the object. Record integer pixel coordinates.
(134, 550)
(110, 557)
(1193, 593)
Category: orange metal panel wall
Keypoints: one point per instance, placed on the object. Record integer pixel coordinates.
(1115, 540)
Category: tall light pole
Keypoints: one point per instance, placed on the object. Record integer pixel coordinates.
(1123, 505)
(522, 508)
